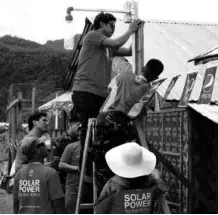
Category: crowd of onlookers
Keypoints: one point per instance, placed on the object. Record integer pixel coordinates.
(45, 185)
(48, 159)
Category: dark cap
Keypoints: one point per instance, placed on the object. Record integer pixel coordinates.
(29, 148)
(74, 116)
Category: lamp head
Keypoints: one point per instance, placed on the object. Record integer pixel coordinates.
(69, 17)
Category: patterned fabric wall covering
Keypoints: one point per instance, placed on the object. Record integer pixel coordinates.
(168, 132)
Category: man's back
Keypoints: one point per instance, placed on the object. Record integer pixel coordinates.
(130, 89)
(94, 67)
(35, 186)
(120, 195)
(71, 156)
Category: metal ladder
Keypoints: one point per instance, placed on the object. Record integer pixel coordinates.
(88, 141)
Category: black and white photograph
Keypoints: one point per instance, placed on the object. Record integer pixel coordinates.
(108, 107)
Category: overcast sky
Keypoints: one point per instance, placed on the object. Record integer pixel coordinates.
(42, 20)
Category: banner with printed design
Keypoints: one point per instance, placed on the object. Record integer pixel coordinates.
(189, 84)
(171, 85)
(150, 93)
(207, 87)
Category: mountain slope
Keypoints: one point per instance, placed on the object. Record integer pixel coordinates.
(28, 64)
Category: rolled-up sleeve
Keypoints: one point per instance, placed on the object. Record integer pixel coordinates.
(96, 38)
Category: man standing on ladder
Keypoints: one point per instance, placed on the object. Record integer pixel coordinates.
(95, 66)
(124, 102)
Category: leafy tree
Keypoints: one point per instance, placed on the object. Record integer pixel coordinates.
(27, 64)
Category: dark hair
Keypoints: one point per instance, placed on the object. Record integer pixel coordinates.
(35, 116)
(103, 17)
(156, 66)
(30, 150)
(74, 116)
(152, 69)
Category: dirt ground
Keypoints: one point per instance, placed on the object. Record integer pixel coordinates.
(6, 202)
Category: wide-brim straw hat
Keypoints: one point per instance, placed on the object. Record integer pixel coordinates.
(130, 160)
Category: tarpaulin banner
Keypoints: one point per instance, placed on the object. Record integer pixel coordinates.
(189, 84)
(153, 88)
(207, 87)
(171, 85)
(136, 109)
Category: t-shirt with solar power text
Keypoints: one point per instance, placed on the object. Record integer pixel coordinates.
(35, 186)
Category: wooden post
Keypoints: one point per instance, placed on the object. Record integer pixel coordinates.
(139, 49)
(19, 117)
(12, 124)
(13, 129)
(140, 127)
(138, 63)
(33, 99)
(9, 131)
(134, 12)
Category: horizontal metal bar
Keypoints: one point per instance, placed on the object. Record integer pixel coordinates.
(179, 109)
(174, 204)
(26, 100)
(100, 10)
(171, 153)
(86, 205)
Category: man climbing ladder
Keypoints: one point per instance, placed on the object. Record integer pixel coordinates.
(95, 67)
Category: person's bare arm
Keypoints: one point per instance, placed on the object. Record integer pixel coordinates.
(120, 41)
(164, 205)
(67, 167)
(123, 51)
(59, 206)
(18, 164)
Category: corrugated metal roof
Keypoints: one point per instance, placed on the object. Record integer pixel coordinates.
(209, 111)
(212, 54)
(174, 43)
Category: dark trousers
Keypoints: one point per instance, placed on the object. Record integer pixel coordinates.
(112, 129)
(87, 105)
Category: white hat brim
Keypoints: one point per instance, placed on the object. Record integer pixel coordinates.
(119, 167)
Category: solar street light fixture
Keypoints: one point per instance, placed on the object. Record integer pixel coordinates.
(130, 11)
